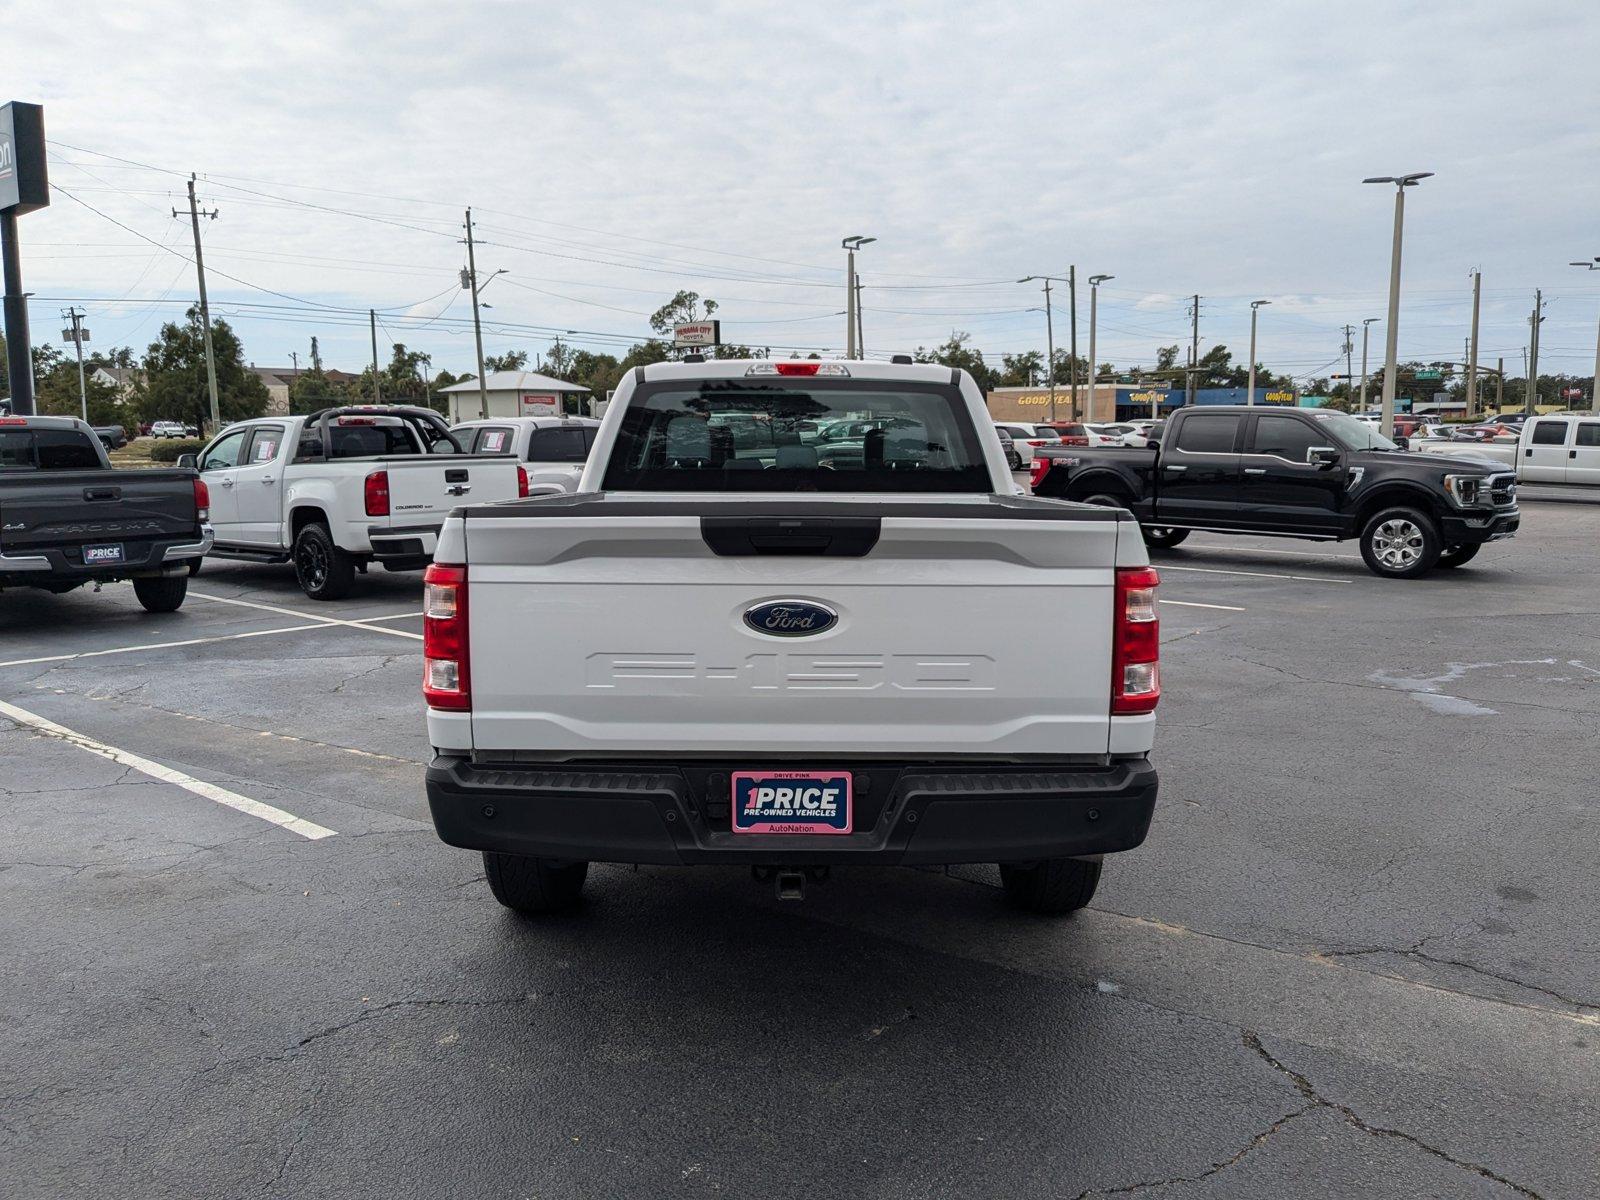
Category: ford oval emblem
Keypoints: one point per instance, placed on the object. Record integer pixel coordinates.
(790, 618)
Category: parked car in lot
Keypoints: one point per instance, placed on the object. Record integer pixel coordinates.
(1021, 439)
(1009, 449)
(342, 488)
(721, 652)
(1309, 474)
(68, 518)
(552, 450)
(113, 437)
(1561, 449)
(171, 429)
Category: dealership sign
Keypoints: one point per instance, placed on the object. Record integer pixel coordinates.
(539, 404)
(697, 333)
(24, 185)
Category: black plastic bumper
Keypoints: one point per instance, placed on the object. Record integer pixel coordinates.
(1472, 528)
(906, 814)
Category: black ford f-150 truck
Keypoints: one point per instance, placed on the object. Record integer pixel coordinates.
(1294, 473)
(67, 518)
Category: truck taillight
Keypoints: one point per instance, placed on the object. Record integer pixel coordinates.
(445, 682)
(522, 481)
(1078, 440)
(202, 500)
(1136, 643)
(377, 491)
(1038, 470)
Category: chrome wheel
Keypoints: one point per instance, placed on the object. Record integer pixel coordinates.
(1398, 543)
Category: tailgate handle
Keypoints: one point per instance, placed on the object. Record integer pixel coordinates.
(455, 474)
(833, 537)
(102, 493)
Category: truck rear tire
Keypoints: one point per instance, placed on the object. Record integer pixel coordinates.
(1400, 543)
(534, 885)
(1052, 886)
(162, 595)
(1162, 537)
(1455, 556)
(324, 571)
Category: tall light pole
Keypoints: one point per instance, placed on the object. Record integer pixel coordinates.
(1594, 389)
(852, 300)
(1094, 295)
(1366, 336)
(1255, 307)
(1401, 183)
(1049, 334)
(1472, 347)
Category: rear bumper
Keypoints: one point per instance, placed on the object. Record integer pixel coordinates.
(907, 814)
(143, 558)
(402, 543)
(1486, 525)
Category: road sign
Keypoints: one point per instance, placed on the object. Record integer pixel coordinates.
(1429, 373)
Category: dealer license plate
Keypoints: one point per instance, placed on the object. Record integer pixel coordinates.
(792, 802)
(100, 556)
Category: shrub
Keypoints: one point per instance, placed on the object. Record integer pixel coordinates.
(168, 449)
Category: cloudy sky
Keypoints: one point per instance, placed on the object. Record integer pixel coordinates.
(614, 153)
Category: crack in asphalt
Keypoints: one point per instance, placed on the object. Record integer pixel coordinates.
(1315, 1099)
(1414, 952)
(388, 661)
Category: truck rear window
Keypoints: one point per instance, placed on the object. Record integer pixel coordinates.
(47, 450)
(805, 435)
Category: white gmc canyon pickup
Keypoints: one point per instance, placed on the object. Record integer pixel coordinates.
(746, 640)
(336, 490)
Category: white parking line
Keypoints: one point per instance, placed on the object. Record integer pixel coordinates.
(209, 791)
(1226, 549)
(1161, 566)
(314, 616)
(1195, 604)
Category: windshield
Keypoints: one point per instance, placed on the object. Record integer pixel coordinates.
(1350, 433)
(810, 435)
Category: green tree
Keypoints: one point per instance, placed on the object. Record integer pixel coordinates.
(312, 391)
(174, 384)
(955, 352)
(1166, 358)
(56, 389)
(681, 309)
(511, 360)
(1020, 370)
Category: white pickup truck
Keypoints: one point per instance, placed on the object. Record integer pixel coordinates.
(336, 490)
(552, 450)
(1563, 448)
(734, 646)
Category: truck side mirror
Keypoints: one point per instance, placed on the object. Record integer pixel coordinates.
(1402, 441)
(1322, 456)
(189, 460)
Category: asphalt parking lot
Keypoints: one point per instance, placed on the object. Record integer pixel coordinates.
(1359, 954)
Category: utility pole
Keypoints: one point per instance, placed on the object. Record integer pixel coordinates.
(377, 391)
(477, 324)
(1255, 306)
(1094, 297)
(1194, 353)
(195, 213)
(1500, 386)
(316, 356)
(1349, 369)
(1366, 336)
(852, 294)
(1049, 336)
(1072, 364)
(1530, 399)
(78, 335)
(1472, 347)
(861, 336)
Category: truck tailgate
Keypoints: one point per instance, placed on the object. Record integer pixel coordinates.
(608, 626)
(424, 488)
(59, 509)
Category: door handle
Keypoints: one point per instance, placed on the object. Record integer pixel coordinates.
(1255, 470)
(1528, 453)
(1572, 454)
(1177, 468)
(225, 482)
(268, 479)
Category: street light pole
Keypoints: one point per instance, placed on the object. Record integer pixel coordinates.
(78, 336)
(1392, 339)
(1366, 336)
(1255, 306)
(1472, 347)
(1094, 296)
(852, 294)
(1594, 388)
(477, 322)
(1072, 358)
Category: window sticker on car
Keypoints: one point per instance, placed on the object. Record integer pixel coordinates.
(265, 450)
(494, 441)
